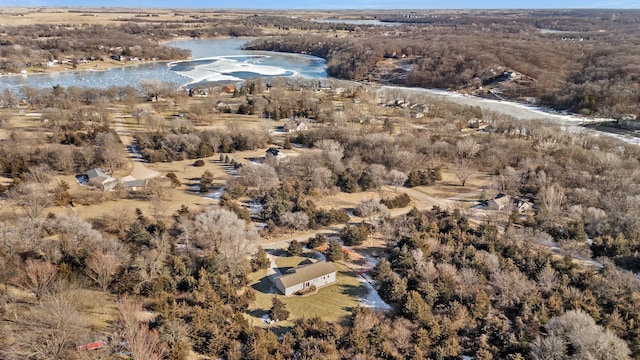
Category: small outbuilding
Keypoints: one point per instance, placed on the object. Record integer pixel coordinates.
(303, 277)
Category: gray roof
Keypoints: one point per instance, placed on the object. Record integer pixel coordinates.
(135, 183)
(307, 272)
(97, 173)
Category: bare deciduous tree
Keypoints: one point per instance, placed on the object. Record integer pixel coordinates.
(322, 178)
(261, 177)
(48, 331)
(110, 151)
(153, 89)
(41, 174)
(396, 178)
(551, 198)
(467, 148)
(38, 277)
(463, 169)
(32, 197)
(144, 344)
(511, 287)
(102, 267)
(77, 237)
(576, 335)
(296, 220)
(221, 231)
(332, 152)
(372, 210)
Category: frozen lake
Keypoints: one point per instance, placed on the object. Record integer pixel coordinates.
(212, 60)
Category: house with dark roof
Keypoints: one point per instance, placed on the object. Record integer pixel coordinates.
(303, 277)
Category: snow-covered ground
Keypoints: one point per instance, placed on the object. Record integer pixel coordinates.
(372, 299)
(215, 195)
(254, 207)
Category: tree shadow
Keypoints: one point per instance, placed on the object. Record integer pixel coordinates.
(283, 270)
(264, 286)
(276, 252)
(370, 251)
(280, 330)
(258, 313)
(355, 291)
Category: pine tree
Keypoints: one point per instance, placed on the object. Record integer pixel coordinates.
(294, 249)
(278, 311)
(382, 270)
(206, 180)
(260, 260)
(334, 252)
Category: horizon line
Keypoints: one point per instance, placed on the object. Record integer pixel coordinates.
(312, 9)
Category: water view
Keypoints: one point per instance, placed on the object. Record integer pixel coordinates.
(212, 60)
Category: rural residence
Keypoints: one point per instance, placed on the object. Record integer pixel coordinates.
(99, 178)
(304, 277)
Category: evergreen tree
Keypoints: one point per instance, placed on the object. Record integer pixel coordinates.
(260, 260)
(278, 311)
(382, 270)
(316, 241)
(388, 126)
(295, 248)
(174, 179)
(206, 180)
(335, 252)
(354, 235)
(138, 234)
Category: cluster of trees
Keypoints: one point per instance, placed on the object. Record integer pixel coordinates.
(192, 144)
(476, 291)
(42, 43)
(133, 37)
(140, 260)
(575, 66)
(456, 289)
(77, 152)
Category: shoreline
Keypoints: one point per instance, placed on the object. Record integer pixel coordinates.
(108, 64)
(96, 65)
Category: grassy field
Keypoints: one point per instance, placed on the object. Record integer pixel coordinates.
(331, 303)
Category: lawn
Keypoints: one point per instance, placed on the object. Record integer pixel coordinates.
(332, 303)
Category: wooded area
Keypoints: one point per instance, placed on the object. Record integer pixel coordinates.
(581, 61)
(179, 267)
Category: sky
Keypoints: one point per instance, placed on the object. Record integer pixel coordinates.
(339, 4)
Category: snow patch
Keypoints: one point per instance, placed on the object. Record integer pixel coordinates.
(372, 299)
(215, 195)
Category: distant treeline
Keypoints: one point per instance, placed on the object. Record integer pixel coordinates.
(579, 61)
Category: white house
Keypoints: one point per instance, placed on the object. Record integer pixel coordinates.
(302, 277)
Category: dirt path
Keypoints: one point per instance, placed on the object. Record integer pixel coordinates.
(139, 170)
